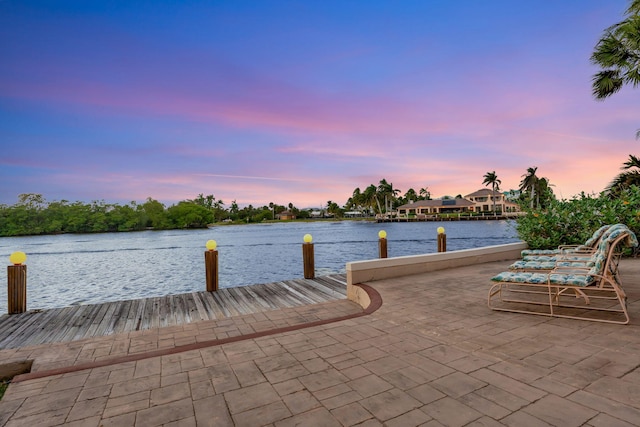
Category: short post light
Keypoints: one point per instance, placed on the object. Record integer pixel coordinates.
(442, 240)
(211, 265)
(382, 244)
(17, 283)
(308, 257)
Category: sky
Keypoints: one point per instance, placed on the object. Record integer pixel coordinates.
(304, 101)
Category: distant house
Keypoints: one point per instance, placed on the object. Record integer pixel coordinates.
(484, 198)
(321, 214)
(432, 207)
(286, 215)
(479, 201)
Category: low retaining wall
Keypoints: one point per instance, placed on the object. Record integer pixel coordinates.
(379, 269)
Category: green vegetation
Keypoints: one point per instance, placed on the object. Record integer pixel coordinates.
(381, 198)
(630, 175)
(3, 388)
(573, 221)
(547, 222)
(536, 191)
(33, 215)
(618, 54)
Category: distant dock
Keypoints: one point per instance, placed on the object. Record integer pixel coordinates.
(447, 217)
(87, 321)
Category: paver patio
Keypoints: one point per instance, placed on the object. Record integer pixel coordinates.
(433, 354)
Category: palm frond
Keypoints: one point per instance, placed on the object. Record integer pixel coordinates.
(605, 83)
(633, 162)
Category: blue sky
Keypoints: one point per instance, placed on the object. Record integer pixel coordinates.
(303, 101)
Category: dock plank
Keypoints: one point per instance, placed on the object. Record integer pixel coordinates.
(18, 325)
(60, 325)
(87, 321)
(201, 311)
(215, 310)
(94, 324)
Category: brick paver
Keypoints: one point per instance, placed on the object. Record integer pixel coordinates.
(433, 354)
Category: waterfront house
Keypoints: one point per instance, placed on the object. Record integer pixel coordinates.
(476, 202)
(286, 215)
(354, 214)
(484, 198)
(423, 208)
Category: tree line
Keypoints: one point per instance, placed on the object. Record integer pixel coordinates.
(33, 215)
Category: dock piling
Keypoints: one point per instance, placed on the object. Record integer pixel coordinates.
(308, 257)
(442, 240)
(382, 244)
(211, 266)
(17, 284)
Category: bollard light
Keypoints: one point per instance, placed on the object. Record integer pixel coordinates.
(308, 262)
(17, 283)
(212, 245)
(17, 258)
(382, 244)
(211, 265)
(442, 240)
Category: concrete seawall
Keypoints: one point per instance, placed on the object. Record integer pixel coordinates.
(379, 269)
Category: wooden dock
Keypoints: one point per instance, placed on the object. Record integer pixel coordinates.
(87, 321)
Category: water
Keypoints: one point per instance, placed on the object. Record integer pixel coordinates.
(72, 269)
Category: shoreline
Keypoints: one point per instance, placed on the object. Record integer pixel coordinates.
(295, 221)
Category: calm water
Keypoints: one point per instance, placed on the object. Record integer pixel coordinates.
(65, 270)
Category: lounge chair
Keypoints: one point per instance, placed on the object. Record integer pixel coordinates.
(586, 247)
(590, 290)
(577, 254)
(579, 257)
(573, 259)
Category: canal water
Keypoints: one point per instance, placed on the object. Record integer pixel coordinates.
(72, 269)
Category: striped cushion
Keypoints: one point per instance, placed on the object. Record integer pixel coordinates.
(549, 265)
(570, 279)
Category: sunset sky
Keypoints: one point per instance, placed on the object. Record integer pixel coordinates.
(303, 101)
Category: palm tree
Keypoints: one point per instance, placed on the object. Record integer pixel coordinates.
(370, 196)
(356, 200)
(272, 206)
(530, 183)
(490, 178)
(386, 189)
(333, 208)
(543, 193)
(618, 53)
(627, 178)
(410, 196)
(633, 162)
(425, 193)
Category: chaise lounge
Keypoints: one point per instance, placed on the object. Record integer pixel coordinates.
(566, 256)
(587, 247)
(590, 292)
